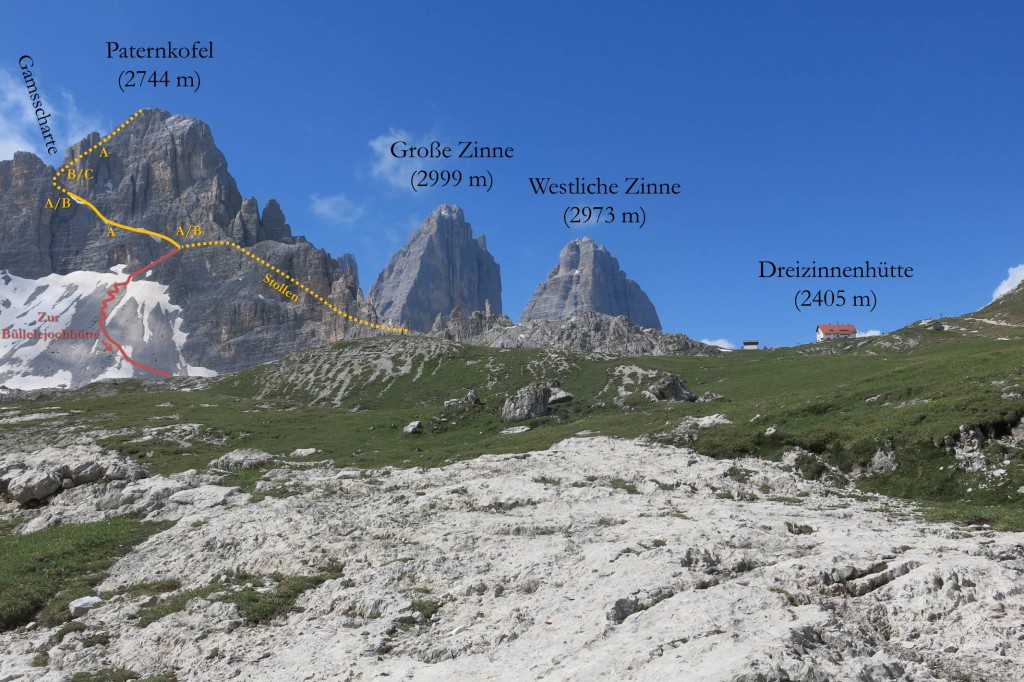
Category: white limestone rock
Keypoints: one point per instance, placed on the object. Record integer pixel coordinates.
(81, 606)
(31, 485)
(241, 459)
(559, 395)
(594, 559)
(206, 496)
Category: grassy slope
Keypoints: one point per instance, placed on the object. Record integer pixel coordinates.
(816, 400)
(1008, 308)
(40, 573)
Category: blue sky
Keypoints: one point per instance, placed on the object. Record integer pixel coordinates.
(834, 132)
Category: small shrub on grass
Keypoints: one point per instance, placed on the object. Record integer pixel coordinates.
(260, 607)
(426, 607)
(106, 675)
(98, 639)
(738, 474)
(811, 468)
(622, 484)
(177, 603)
(68, 628)
(155, 587)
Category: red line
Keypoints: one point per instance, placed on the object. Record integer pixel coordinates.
(111, 295)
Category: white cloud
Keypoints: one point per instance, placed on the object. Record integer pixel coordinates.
(395, 171)
(1014, 276)
(337, 209)
(721, 343)
(870, 332)
(75, 124)
(586, 216)
(16, 119)
(19, 130)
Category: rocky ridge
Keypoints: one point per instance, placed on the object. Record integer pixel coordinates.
(591, 332)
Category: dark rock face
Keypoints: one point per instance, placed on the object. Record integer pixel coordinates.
(442, 268)
(588, 279)
(26, 228)
(164, 171)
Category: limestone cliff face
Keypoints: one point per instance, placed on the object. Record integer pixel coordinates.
(26, 229)
(588, 279)
(163, 171)
(440, 269)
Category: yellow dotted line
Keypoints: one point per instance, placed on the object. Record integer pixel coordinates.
(318, 297)
(66, 167)
(282, 273)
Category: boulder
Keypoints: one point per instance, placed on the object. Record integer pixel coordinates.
(526, 403)
(144, 496)
(245, 458)
(203, 497)
(124, 471)
(85, 471)
(79, 607)
(473, 399)
(669, 387)
(413, 427)
(1017, 433)
(32, 484)
(559, 396)
(9, 471)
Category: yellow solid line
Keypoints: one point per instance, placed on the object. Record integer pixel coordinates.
(119, 225)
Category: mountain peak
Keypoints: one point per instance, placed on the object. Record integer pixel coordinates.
(588, 279)
(449, 211)
(440, 269)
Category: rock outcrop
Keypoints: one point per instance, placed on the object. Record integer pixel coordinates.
(30, 478)
(669, 387)
(526, 403)
(588, 279)
(590, 332)
(468, 328)
(242, 459)
(441, 269)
